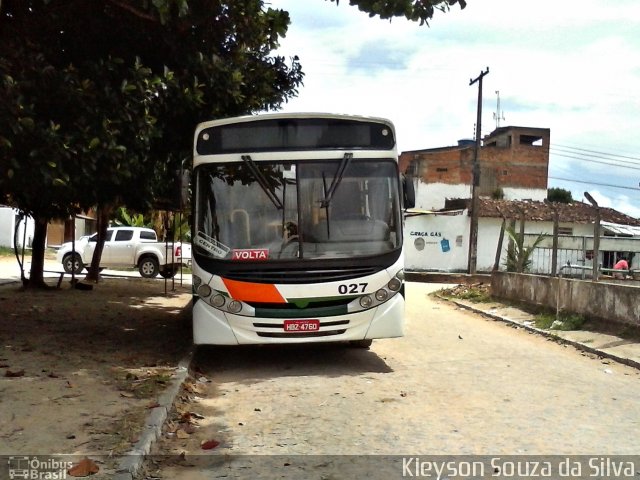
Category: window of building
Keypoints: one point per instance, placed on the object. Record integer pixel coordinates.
(565, 231)
(533, 140)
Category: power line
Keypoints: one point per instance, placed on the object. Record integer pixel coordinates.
(596, 152)
(636, 189)
(636, 167)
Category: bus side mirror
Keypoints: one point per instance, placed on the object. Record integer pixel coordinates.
(408, 192)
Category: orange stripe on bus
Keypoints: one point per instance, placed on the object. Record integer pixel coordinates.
(253, 292)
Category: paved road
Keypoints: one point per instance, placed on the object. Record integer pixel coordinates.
(456, 384)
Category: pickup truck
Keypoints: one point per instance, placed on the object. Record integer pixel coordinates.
(124, 247)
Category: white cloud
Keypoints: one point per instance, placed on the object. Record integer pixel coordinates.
(571, 67)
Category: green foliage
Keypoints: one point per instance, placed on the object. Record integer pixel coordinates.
(182, 230)
(497, 194)
(564, 322)
(517, 254)
(124, 218)
(477, 295)
(559, 195)
(99, 100)
(474, 293)
(414, 10)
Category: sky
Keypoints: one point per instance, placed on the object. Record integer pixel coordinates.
(572, 67)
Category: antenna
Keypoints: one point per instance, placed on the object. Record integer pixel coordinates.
(498, 114)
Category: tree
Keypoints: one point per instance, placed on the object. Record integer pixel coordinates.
(414, 10)
(518, 256)
(559, 195)
(98, 100)
(130, 219)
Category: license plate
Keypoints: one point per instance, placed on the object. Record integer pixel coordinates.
(301, 325)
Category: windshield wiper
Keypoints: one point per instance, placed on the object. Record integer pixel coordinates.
(346, 159)
(262, 181)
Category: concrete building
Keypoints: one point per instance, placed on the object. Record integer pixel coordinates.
(439, 240)
(514, 164)
(58, 231)
(8, 220)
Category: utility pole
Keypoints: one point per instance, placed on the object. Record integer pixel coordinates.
(596, 237)
(473, 230)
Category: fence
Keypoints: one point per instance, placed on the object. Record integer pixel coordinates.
(576, 254)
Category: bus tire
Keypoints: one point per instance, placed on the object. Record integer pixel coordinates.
(361, 343)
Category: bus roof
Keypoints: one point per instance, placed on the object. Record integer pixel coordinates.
(293, 132)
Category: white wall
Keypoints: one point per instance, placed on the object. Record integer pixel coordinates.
(436, 242)
(536, 194)
(7, 224)
(445, 243)
(432, 196)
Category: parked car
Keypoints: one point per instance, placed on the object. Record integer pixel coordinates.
(124, 247)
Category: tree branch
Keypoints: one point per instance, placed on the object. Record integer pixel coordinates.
(133, 10)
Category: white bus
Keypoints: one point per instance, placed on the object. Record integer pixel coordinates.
(297, 230)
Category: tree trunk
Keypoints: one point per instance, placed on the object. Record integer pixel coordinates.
(36, 276)
(93, 274)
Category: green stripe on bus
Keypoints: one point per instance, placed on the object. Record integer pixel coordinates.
(307, 312)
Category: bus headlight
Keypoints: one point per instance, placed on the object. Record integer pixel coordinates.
(400, 274)
(234, 306)
(197, 281)
(382, 295)
(204, 290)
(218, 300)
(394, 284)
(366, 301)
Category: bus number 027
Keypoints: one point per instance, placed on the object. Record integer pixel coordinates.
(352, 288)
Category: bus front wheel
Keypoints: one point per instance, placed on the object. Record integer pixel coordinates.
(361, 343)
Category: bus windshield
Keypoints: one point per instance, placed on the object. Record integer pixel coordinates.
(300, 210)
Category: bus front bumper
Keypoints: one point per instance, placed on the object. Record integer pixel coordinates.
(214, 327)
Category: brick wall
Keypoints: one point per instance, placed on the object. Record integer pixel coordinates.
(509, 158)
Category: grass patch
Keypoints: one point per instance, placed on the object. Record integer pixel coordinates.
(630, 332)
(473, 293)
(476, 295)
(565, 321)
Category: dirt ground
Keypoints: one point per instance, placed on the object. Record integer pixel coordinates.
(79, 370)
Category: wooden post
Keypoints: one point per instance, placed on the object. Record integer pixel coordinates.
(554, 252)
(596, 237)
(520, 268)
(496, 263)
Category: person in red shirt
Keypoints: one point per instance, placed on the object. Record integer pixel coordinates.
(622, 264)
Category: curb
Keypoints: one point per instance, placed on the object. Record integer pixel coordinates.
(580, 346)
(130, 464)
